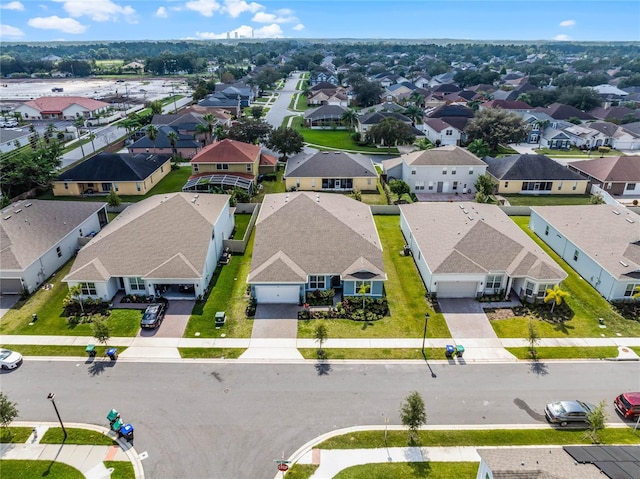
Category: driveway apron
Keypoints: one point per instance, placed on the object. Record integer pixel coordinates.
(466, 319)
(174, 323)
(275, 331)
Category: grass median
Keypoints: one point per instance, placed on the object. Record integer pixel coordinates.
(211, 353)
(564, 352)
(47, 350)
(373, 353)
(54, 435)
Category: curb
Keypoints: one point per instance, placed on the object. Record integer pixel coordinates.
(129, 450)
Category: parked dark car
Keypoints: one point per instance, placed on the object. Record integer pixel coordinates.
(153, 315)
(564, 412)
(628, 405)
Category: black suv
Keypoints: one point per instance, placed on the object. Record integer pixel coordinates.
(153, 315)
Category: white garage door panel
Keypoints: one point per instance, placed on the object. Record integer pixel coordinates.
(277, 294)
(10, 286)
(457, 289)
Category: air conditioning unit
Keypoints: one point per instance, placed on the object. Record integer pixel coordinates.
(469, 190)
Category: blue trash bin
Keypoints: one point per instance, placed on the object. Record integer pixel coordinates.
(112, 353)
(126, 432)
(449, 351)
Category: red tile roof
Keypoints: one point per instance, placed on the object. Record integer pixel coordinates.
(57, 104)
(268, 160)
(227, 151)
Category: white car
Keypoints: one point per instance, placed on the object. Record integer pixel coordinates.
(10, 359)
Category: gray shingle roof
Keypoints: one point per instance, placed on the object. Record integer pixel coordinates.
(35, 229)
(325, 111)
(606, 237)
(305, 233)
(334, 164)
(162, 140)
(529, 167)
(163, 236)
(115, 167)
(376, 117)
(611, 168)
(490, 242)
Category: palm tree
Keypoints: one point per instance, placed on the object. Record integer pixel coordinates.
(76, 292)
(152, 133)
(416, 98)
(173, 138)
(349, 118)
(415, 113)
(542, 124)
(211, 121)
(556, 295)
(78, 123)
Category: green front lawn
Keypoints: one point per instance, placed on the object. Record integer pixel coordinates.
(15, 435)
(338, 139)
(54, 435)
(47, 304)
(548, 200)
(562, 352)
(585, 302)
(482, 437)
(25, 469)
(371, 353)
(405, 293)
(121, 469)
(211, 353)
(228, 294)
(411, 470)
(301, 471)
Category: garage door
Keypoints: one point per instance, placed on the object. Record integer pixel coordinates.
(277, 294)
(10, 286)
(457, 289)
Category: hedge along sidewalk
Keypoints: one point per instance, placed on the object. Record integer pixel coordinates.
(76, 455)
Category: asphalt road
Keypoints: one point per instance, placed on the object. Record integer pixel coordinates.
(280, 108)
(225, 420)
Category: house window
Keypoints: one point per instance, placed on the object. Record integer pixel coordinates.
(471, 171)
(631, 289)
(413, 171)
(162, 169)
(575, 185)
(494, 281)
(528, 291)
(546, 230)
(506, 184)
(630, 186)
(115, 185)
(576, 254)
(363, 287)
(298, 183)
(106, 187)
(560, 185)
(196, 167)
(222, 166)
(455, 184)
(444, 171)
(316, 282)
(542, 289)
(138, 186)
(453, 171)
(59, 252)
(313, 182)
(419, 186)
(431, 186)
(89, 288)
(448, 132)
(609, 185)
(136, 284)
(249, 166)
(368, 181)
(66, 185)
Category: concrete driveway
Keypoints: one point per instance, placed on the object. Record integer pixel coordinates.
(466, 318)
(274, 335)
(174, 323)
(7, 301)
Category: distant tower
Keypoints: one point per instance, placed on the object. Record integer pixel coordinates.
(252, 33)
(228, 35)
(236, 34)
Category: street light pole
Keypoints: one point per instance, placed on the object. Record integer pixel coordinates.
(424, 335)
(51, 397)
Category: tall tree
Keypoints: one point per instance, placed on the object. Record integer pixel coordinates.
(156, 107)
(285, 141)
(8, 411)
(173, 138)
(349, 118)
(257, 111)
(78, 123)
(496, 126)
(542, 125)
(152, 134)
(415, 113)
(413, 414)
(249, 130)
(391, 132)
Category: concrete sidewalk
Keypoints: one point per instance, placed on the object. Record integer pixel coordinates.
(88, 459)
(476, 349)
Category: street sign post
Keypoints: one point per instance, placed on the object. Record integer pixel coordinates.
(283, 466)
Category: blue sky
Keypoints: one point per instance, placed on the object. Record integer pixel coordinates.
(87, 20)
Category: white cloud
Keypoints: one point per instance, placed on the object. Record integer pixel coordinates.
(245, 31)
(161, 12)
(99, 10)
(7, 31)
(562, 38)
(203, 7)
(13, 6)
(67, 25)
(263, 17)
(567, 23)
(235, 7)
(299, 27)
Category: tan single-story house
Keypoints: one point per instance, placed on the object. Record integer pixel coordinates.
(61, 108)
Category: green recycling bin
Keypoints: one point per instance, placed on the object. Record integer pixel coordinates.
(459, 350)
(90, 350)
